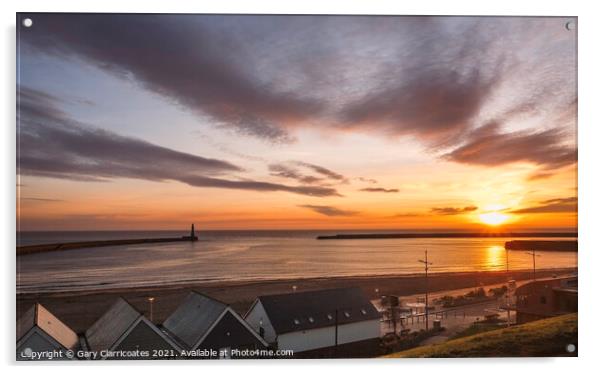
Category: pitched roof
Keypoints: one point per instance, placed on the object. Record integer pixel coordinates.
(568, 282)
(39, 316)
(314, 309)
(105, 332)
(193, 318)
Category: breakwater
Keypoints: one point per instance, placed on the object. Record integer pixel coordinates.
(29, 249)
(450, 235)
(542, 245)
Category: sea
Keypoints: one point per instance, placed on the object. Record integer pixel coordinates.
(254, 256)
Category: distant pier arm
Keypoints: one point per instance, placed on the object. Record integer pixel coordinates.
(543, 245)
(450, 235)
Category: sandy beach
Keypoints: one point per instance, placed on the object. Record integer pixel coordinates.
(80, 309)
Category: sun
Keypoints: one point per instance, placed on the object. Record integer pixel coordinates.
(493, 218)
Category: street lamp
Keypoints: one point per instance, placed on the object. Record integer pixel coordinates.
(426, 292)
(532, 254)
(150, 300)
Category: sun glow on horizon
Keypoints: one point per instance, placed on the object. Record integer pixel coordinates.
(493, 218)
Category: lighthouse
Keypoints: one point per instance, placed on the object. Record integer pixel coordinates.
(192, 237)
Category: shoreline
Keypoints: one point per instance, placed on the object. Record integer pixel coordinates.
(79, 309)
(210, 283)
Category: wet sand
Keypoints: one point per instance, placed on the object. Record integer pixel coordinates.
(80, 309)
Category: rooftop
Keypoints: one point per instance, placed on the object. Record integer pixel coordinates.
(39, 316)
(315, 309)
(567, 283)
(107, 330)
(193, 318)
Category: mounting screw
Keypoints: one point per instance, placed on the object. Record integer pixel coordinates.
(570, 25)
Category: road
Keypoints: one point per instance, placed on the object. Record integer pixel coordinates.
(452, 319)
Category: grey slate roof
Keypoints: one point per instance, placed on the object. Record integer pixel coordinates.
(105, 332)
(193, 318)
(39, 316)
(315, 309)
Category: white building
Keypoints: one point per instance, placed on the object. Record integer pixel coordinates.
(314, 320)
(39, 332)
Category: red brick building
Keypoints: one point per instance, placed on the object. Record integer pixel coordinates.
(546, 298)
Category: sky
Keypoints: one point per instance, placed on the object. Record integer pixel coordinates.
(296, 122)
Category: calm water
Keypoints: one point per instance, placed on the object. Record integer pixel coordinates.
(254, 256)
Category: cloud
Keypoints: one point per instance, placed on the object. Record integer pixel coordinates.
(450, 211)
(283, 171)
(540, 175)
(330, 210)
(367, 180)
(561, 205)
(201, 181)
(433, 105)
(222, 147)
(408, 214)
(176, 57)
(323, 171)
(441, 211)
(432, 78)
(291, 170)
(380, 189)
(40, 199)
(202, 67)
(51, 142)
(53, 145)
(446, 73)
(489, 146)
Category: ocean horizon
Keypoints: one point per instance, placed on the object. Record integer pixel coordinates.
(36, 237)
(255, 255)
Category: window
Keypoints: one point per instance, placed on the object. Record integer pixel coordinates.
(543, 300)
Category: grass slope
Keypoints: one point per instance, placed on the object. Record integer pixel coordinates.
(544, 338)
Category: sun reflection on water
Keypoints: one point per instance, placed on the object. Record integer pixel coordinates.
(496, 257)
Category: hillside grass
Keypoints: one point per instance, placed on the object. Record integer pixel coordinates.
(477, 328)
(545, 338)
